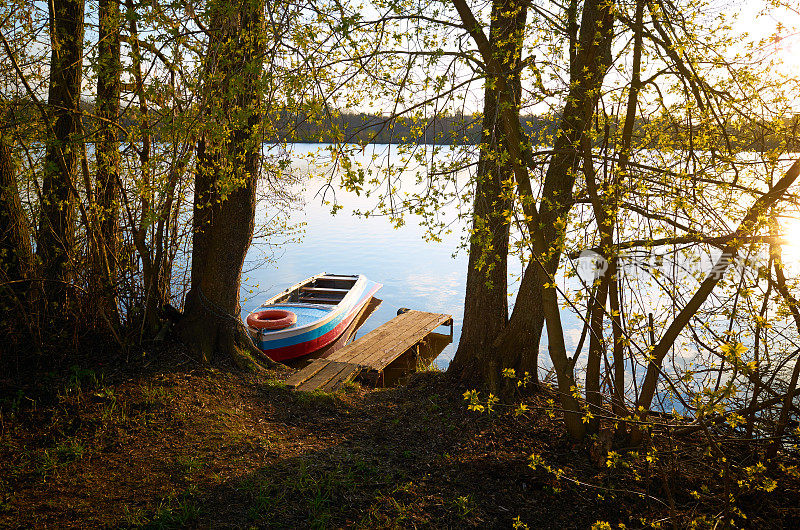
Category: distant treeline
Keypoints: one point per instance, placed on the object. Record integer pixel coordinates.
(466, 130)
(445, 129)
(373, 128)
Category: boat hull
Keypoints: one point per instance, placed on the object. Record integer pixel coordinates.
(305, 339)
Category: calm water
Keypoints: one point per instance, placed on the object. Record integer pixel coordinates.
(415, 273)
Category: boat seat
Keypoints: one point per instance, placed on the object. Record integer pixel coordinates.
(319, 299)
(323, 290)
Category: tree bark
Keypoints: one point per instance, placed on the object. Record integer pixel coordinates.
(519, 157)
(106, 208)
(56, 237)
(519, 341)
(228, 164)
(485, 303)
(597, 348)
(16, 259)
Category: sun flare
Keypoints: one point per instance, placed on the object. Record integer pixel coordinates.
(791, 241)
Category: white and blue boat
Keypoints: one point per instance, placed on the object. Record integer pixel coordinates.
(309, 315)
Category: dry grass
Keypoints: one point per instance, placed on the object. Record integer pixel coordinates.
(189, 446)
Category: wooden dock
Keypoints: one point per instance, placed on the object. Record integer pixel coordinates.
(343, 340)
(381, 356)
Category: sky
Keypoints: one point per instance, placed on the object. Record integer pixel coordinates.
(785, 22)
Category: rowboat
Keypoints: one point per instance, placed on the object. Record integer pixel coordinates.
(309, 315)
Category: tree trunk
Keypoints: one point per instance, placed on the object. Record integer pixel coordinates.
(56, 237)
(16, 258)
(519, 341)
(485, 303)
(618, 399)
(228, 163)
(597, 348)
(754, 216)
(155, 289)
(106, 208)
(519, 154)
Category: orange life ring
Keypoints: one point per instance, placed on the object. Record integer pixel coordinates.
(271, 319)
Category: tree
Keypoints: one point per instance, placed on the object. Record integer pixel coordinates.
(106, 211)
(16, 258)
(56, 234)
(486, 304)
(517, 343)
(228, 166)
(748, 225)
(122, 256)
(589, 59)
(615, 200)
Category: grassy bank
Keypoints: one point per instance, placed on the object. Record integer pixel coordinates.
(182, 445)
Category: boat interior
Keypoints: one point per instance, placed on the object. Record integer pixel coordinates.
(326, 289)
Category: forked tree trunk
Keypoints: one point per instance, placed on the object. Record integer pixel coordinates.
(228, 163)
(485, 303)
(56, 237)
(519, 154)
(518, 344)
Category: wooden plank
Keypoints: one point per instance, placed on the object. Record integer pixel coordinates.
(349, 352)
(306, 373)
(380, 339)
(323, 290)
(367, 344)
(335, 277)
(403, 338)
(411, 337)
(416, 358)
(390, 340)
(382, 361)
(330, 371)
(403, 341)
(347, 374)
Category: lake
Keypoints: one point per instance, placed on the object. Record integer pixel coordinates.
(415, 273)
